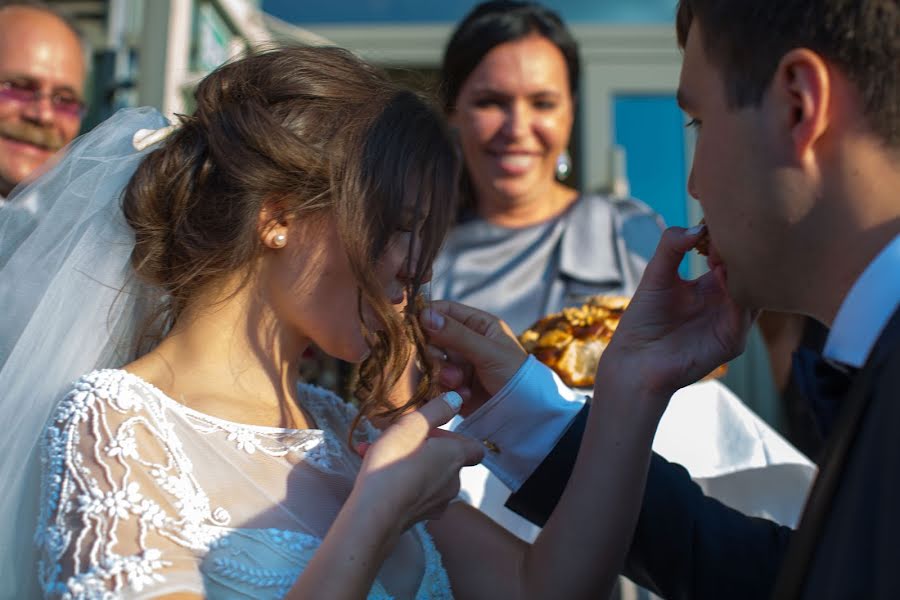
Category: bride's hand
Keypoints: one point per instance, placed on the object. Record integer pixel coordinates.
(411, 472)
(676, 331)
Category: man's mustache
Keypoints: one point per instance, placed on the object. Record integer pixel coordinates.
(45, 137)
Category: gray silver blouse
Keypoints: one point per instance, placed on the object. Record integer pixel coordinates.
(598, 246)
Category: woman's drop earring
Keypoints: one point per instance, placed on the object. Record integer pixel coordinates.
(563, 165)
(279, 240)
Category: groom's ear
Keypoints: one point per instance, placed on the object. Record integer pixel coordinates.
(801, 95)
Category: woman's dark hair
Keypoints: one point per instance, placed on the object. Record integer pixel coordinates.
(493, 23)
(302, 132)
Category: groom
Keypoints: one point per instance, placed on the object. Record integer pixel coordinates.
(797, 168)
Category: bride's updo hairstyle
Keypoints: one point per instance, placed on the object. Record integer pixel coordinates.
(301, 131)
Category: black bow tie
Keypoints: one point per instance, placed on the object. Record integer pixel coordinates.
(824, 383)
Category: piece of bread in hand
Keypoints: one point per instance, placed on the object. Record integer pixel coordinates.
(572, 341)
(702, 246)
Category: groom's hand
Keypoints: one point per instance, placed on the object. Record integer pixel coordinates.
(676, 331)
(477, 352)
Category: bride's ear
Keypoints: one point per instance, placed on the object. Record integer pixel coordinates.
(272, 227)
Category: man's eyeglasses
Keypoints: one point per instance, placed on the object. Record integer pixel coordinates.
(63, 103)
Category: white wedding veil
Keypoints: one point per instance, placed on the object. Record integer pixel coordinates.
(70, 305)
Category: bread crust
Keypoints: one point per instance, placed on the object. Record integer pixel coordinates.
(572, 341)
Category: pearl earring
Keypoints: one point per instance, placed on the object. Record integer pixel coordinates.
(279, 240)
(563, 165)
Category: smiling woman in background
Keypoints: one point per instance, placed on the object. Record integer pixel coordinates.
(527, 244)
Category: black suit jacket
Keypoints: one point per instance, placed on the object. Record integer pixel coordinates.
(687, 545)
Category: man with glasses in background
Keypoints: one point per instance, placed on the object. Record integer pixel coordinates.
(42, 73)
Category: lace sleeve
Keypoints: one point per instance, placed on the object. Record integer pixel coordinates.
(120, 509)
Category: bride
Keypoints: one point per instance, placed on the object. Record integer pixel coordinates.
(302, 202)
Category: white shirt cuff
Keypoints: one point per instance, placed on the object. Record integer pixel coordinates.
(522, 423)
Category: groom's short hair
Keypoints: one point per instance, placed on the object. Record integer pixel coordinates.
(746, 39)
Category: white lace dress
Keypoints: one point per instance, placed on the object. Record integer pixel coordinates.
(142, 496)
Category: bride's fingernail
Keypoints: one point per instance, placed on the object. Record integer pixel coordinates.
(695, 230)
(454, 400)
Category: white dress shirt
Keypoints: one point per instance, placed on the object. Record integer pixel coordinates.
(728, 450)
(522, 423)
(866, 310)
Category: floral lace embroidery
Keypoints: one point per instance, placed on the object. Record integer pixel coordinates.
(316, 446)
(92, 494)
(234, 562)
(72, 493)
(435, 583)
